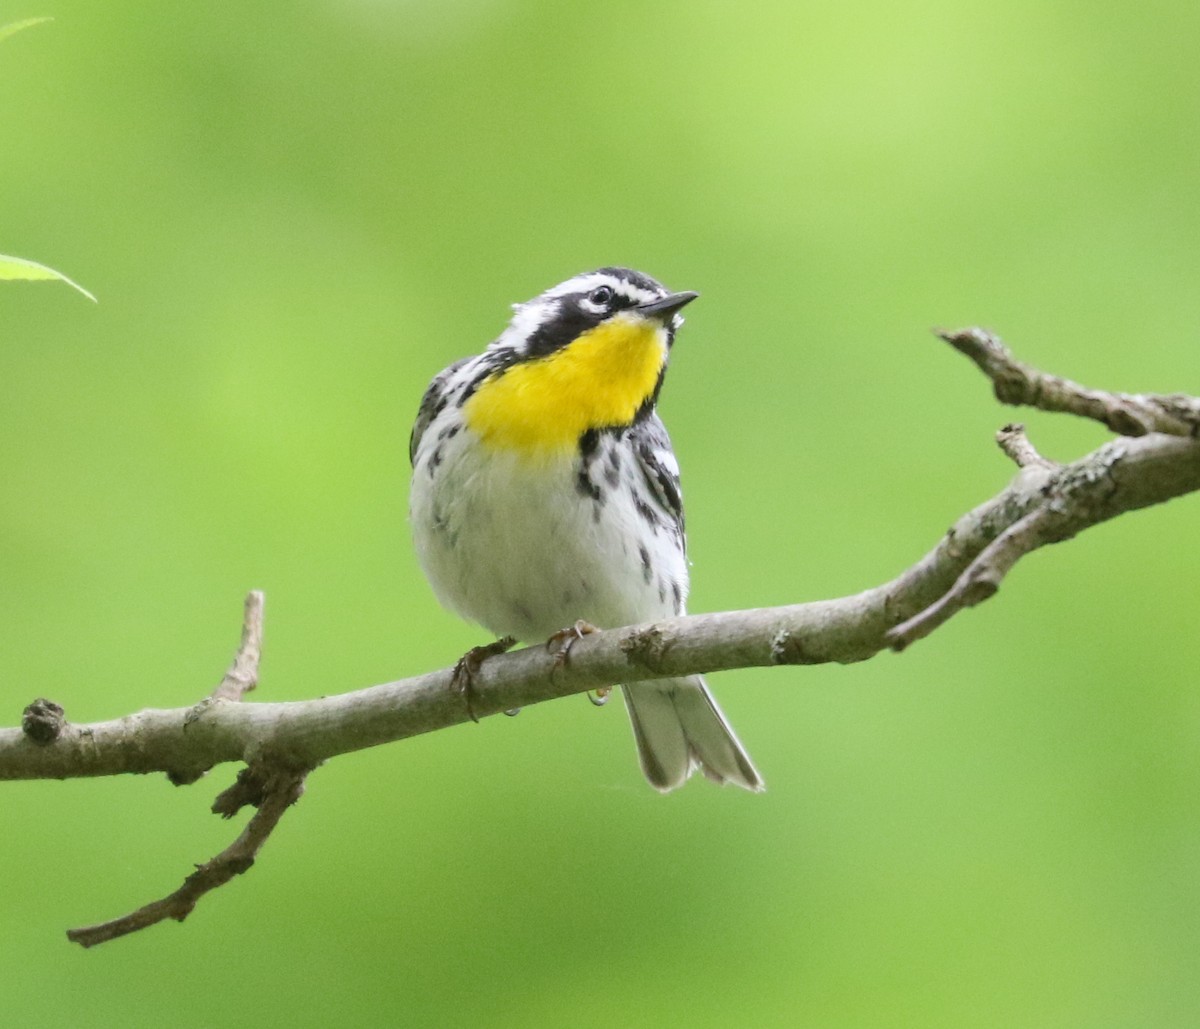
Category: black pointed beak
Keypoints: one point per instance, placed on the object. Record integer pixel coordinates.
(664, 307)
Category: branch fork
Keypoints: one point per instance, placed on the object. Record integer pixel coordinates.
(270, 787)
(1059, 516)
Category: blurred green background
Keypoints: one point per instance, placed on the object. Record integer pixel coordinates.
(295, 213)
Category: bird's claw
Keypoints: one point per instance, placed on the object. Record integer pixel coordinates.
(601, 696)
(561, 642)
(463, 679)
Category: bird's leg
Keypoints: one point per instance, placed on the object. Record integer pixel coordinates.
(562, 642)
(463, 679)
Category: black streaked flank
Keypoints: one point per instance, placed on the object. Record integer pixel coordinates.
(612, 464)
(477, 380)
(662, 481)
(584, 484)
(433, 403)
(646, 512)
(589, 449)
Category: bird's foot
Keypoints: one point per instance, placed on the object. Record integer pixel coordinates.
(463, 679)
(562, 642)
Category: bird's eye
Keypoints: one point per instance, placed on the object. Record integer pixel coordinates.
(601, 296)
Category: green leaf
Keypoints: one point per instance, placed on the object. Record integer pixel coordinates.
(13, 27)
(19, 268)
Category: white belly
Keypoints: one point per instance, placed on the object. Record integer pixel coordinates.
(519, 549)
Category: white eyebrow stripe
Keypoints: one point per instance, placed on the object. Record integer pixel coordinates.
(589, 281)
(580, 284)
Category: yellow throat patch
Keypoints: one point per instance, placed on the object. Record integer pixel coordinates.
(601, 378)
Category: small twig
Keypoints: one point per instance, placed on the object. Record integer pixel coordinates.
(281, 789)
(982, 577)
(239, 680)
(242, 676)
(249, 788)
(1020, 450)
(1059, 514)
(1020, 384)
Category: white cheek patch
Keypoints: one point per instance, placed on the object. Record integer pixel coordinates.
(527, 319)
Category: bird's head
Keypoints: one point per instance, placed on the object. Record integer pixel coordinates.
(588, 354)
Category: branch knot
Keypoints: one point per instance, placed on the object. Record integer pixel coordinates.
(646, 648)
(43, 721)
(786, 649)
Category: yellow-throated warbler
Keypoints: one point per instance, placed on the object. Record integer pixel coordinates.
(545, 491)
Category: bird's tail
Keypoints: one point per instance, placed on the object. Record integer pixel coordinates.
(679, 728)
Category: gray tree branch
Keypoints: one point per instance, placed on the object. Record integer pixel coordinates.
(1157, 459)
(1022, 385)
